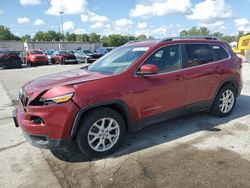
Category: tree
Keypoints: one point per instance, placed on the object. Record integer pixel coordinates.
(70, 36)
(141, 37)
(39, 36)
(93, 37)
(5, 34)
(195, 32)
(26, 38)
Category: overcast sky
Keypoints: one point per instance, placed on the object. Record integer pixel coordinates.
(158, 18)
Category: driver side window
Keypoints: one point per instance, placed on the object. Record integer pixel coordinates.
(167, 59)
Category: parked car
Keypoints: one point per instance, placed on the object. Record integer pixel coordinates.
(36, 57)
(9, 59)
(81, 57)
(135, 85)
(22, 55)
(49, 54)
(104, 50)
(93, 56)
(63, 57)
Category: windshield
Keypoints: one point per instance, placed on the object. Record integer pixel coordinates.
(87, 52)
(64, 53)
(118, 60)
(36, 52)
(50, 52)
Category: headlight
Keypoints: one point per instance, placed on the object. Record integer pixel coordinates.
(58, 100)
(33, 57)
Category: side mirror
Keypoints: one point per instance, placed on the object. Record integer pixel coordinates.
(148, 70)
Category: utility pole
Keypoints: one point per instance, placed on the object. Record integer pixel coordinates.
(61, 15)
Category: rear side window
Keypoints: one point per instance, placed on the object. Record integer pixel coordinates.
(219, 52)
(198, 54)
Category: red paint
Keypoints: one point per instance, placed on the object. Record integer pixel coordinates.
(34, 58)
(144, 95)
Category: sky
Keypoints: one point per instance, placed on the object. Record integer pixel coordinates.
(157, 18)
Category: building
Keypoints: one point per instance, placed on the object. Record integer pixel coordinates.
(25, 46)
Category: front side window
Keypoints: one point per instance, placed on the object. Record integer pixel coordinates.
(219, 52)
(118, 60)
(198, 54)
(167, 59)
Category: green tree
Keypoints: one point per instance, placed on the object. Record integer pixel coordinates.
(142, 37)
(26, 38)
(70, 36)
(5, 34)
(93, 37)
(39, 36)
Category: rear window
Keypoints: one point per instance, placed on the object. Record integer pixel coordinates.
(198, 54)
(219, 52)
(36, 52)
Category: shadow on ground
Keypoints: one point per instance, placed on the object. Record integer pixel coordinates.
(166, 131)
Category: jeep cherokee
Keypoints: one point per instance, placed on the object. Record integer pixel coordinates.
(137, 84)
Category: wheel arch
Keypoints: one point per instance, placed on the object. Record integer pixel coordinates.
(116, 105)
(230, 81)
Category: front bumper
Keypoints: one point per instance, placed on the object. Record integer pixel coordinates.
(54, 129)
(48, 143)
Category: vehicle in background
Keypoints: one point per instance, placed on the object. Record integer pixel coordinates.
(49, 53)
(63, 57)
(93, 56)
(22, 55)
(71, 51)
(243, 47)
(81, 57)
(9, 59)
(36, 57)
(104, 50)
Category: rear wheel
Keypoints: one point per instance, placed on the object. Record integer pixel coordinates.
(101, 132)
(224, 101)
(248, 55)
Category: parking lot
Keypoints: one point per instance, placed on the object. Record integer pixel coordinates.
(197, 150)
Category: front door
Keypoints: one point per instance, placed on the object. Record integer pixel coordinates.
(162, 92)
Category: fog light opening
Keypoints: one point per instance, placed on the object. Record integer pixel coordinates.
(36, 120)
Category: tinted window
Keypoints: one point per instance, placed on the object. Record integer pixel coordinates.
(198, 54)
(167, 59)
(220, 52)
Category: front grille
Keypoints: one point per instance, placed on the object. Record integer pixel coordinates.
(23, 99)
(39, 57)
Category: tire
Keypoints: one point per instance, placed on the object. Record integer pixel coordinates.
(28, 63)
(248, 55)
(217, 108)
(88, 126)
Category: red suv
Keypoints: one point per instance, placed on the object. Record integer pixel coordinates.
(135, 85)
(36, 57)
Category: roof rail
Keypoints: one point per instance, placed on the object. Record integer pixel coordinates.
(190, 38)
(132, 41)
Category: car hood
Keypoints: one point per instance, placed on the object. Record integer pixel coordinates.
(37, 86)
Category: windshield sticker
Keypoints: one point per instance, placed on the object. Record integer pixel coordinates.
(139, 49)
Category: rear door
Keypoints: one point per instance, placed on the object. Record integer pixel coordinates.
(203, 73)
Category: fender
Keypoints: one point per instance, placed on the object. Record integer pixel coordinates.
(230, 79)
(127, 116)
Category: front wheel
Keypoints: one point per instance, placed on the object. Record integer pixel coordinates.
(101, 132)
(224, 101)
